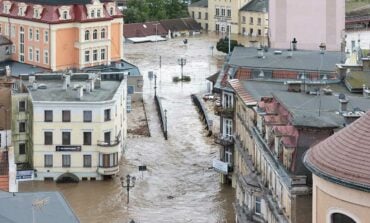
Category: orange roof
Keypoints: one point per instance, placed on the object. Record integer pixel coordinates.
(344, 158)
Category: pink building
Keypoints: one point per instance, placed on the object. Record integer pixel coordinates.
(310, 22)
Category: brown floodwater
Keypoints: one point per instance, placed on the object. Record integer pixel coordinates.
(180, 185)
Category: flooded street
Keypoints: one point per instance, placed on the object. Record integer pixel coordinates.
(179, 186)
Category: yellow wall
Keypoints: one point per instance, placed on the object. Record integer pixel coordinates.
(330, 198)
(116, 46)
(66, 53)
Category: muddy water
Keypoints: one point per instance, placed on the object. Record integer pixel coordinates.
(179, 185)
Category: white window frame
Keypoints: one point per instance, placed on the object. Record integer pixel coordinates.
(257, 201)
(227, 127)
(95, 55)
(87, 53)
(30, 34)
(30, 53)
(46, 36)
(103, 52)
(37, 35)
(37, 55)
(46, 57)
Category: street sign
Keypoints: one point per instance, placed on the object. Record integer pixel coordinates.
(142, 168)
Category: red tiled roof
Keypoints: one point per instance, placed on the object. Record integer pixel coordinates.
(239, 89)
(50, 13)
(143, 29)
(344, 157)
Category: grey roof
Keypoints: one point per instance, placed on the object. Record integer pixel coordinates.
(19, 208)
(256, 6)
(117, 66)
(301, 59)
(4, 40)
(307, 110)
(21, 68)
(201, 3)
(55, 92)
(58, 2)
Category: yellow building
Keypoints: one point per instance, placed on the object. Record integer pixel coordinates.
(77, 124)
(43, 33)
(246, 17)
(341, 175)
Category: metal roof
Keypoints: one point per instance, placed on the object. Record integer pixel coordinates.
(201, 3)
(256, 6)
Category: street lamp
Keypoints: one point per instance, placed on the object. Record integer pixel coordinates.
(5, 124)
(182, 62)
(128, 185)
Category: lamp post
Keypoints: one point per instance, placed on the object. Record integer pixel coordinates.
(128, 185)
(5, 124)
(182, 62)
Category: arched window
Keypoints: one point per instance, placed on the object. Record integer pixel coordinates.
(111, 11)
(87, 35)
(341, 218)
(102, 34)
(65, 15)
(95, 34)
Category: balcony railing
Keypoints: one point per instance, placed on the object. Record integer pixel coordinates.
(108, 170)
(109, 143)
(225, 112)
(224, 140)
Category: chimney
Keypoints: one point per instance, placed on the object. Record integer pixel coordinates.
(31, 79)
(259, 52)
(88, 87)
(294, 44)
(97, 83)
(34, 86)
(343, 103)
(80, 92)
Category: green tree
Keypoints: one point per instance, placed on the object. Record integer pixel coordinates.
(137, 11)
(223, 45)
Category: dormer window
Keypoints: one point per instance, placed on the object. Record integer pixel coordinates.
(22, 9)
(37, 9)
(64, 12)
(92, 13)
(111, 11)
(98, 13)
(7, 6)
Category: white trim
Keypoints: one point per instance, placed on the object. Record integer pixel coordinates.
(44, 57)
(30, 52)
(333, 210)
(37, 60)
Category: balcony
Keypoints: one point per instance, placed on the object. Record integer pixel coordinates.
(222, 167)
(224, 140)
(111, 143)
(108, 170)
(224, 112)
(107, 147)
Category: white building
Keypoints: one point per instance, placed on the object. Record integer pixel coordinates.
(78, 125)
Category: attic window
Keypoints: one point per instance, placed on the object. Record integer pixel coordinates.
(37, 9)
(64, 12)
(111, 11)
(98, 13)
(92, 13)
(65, 15)
(21, 11)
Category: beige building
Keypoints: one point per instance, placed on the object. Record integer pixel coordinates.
(246, 17)
(340, 169)
(75, 124)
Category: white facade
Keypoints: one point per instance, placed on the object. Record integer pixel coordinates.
(87, 148)
(357, 39)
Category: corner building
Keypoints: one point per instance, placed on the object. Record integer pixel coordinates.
(58, 35)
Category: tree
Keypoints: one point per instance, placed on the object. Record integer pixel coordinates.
(223, 45)
(154, 10)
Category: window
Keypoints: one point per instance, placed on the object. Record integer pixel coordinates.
(46, 36)
(259, 21)
(111, 11)
(228, 127)
(87, 138)
(243, 19)
(22, 106)
(95, 34)
(46, 57)
(30, 33)
(107, 115)
(229, 13)
(87, 116)
(37, 59)
(199, 15)
(108, 160)
(22, 148)
(206, 16)
(95, 55)
(48, 160)
(66, 138)
(30, 54)
(37, 35)
(87, 35)
(192, 15)
(107, 137)
(36, 13)
(66, 116)
(341, 218)
(22, 127)
(102, 34)
(130, 89)
(251, 20)
(92, 14)
(66, 160)
(98, 13)
(217, 27)
(217, 11)
(259, 32)
(48, 114)
(258, 205)
(48, 138)
(87, 160)
(87, 56)
(250, 31)
(222, 12)
(65, 15)
(102, 54)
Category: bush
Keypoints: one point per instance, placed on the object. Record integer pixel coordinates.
(186, 78)
(175, 79)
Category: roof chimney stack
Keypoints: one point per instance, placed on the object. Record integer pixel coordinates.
(260, 52)
(80, 92)
(294, 44)
(343, 103)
